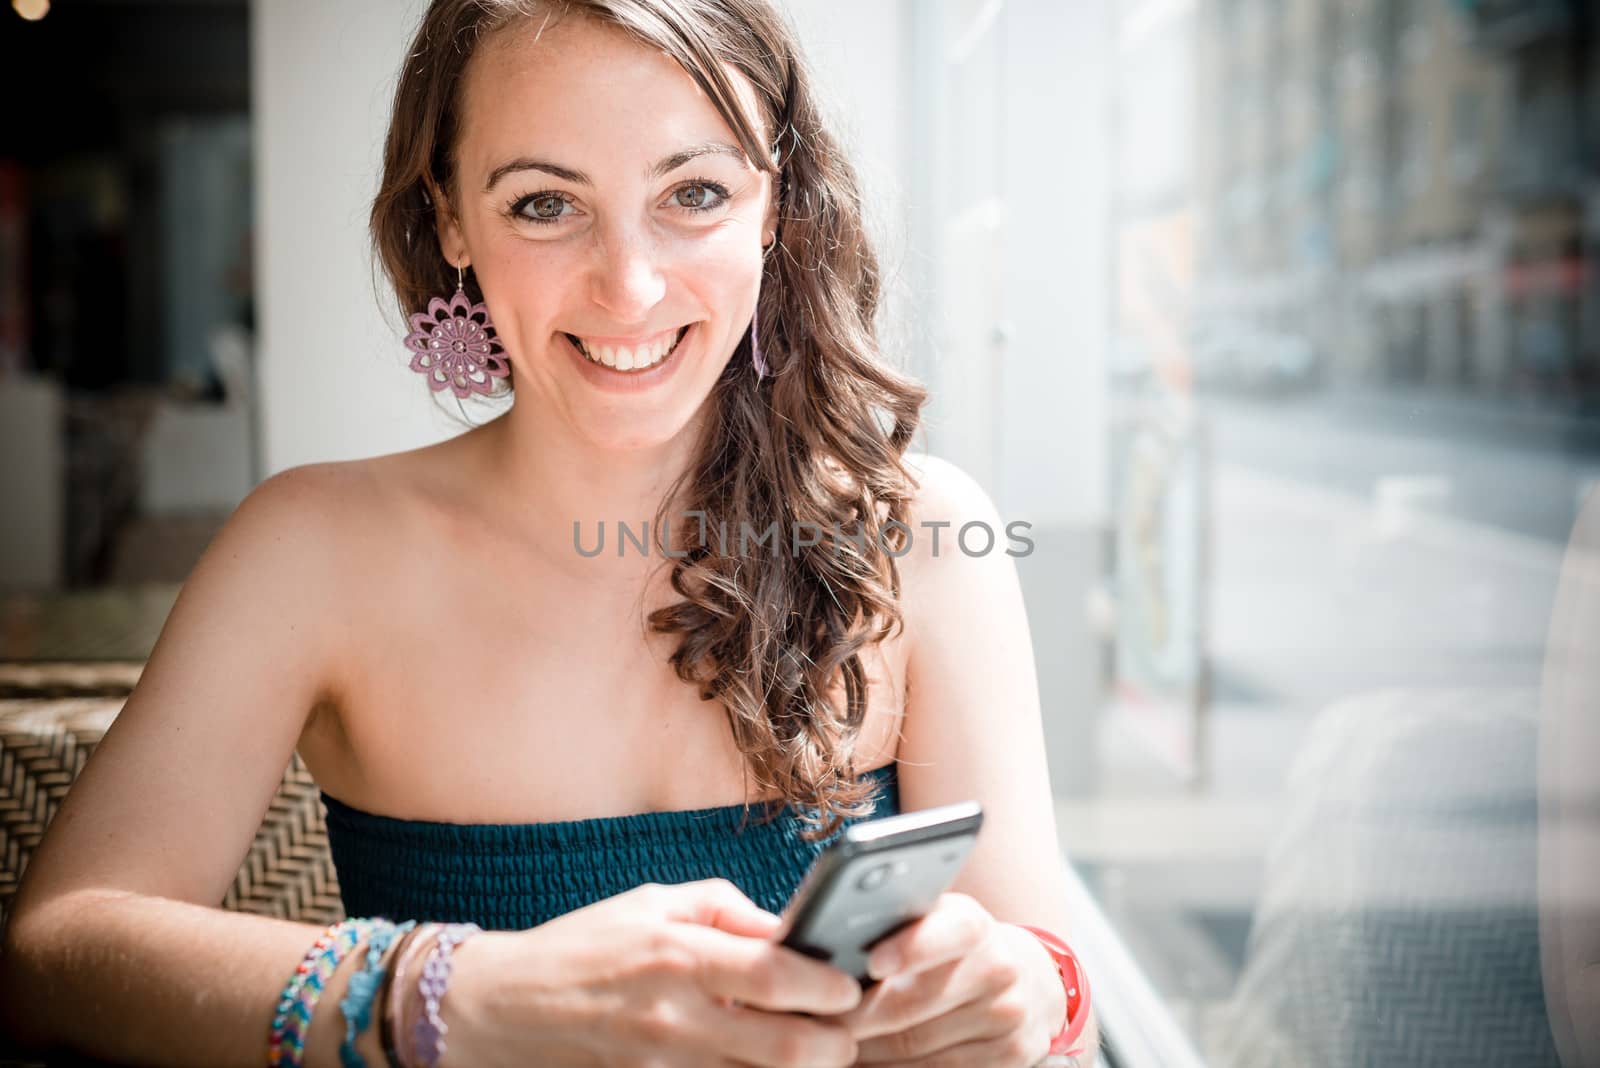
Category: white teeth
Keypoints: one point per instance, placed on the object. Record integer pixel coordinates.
(626, 359)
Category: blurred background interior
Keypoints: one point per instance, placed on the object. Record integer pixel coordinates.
(1279, 320)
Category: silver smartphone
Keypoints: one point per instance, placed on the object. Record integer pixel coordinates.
(876, 878)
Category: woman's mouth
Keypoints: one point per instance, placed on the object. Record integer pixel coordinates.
(630, 359)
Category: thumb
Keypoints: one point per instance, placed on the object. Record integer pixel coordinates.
(720, 904)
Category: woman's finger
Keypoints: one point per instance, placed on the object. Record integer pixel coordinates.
(705, 1031)
(777, 1039)
(764, 975)
(907, 999)
(717, 903)
(975, 1021)
(1007, 1052)
(953, 928)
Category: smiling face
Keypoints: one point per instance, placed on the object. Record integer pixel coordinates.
(610, 220)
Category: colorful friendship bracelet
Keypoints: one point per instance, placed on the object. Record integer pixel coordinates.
(291, 991)
(435, 980)
(356, 1005)
(305, 988)
(286, 1043)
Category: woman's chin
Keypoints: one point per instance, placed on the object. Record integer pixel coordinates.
(634, 434)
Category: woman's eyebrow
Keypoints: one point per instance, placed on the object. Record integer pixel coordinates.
(576, 177)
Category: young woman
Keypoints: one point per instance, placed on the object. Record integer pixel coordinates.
(557, 746)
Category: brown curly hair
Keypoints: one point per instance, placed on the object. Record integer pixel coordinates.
(817, 445)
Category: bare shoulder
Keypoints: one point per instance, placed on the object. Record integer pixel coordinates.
(348, 506)
(308, 490)
(339, 531)
(946, 492)
(304, 516)
(335, 534)
(953, 521)
(293, 543)
(310, 539)
(960, 553)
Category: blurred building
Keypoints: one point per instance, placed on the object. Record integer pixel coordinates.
(1547, 194)
(126, 298)
(1410, 184)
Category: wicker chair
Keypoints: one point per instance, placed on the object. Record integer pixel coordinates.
(51, 718)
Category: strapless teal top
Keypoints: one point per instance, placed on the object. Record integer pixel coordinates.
(511, 876)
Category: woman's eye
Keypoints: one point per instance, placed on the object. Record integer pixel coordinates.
(553, 207)
(546, 207)
(699, 196)
(540, 208)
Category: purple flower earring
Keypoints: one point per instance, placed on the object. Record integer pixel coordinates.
(455, 344)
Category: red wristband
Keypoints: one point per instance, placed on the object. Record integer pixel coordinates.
(1074, 982)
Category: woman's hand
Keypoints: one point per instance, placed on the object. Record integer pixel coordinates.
(964, 989)
(660, 976)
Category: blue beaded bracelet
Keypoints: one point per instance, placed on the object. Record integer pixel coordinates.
(362, 988)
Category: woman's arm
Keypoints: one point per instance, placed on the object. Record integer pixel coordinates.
(149, 980)
(972, 725)
(113, 945)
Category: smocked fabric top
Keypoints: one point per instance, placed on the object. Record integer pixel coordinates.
(511, 876)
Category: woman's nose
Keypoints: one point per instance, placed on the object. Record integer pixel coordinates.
(627, 279)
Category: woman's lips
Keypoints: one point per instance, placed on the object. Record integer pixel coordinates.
(630, 357)
(614, 381)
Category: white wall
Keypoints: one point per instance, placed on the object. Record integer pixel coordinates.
(32, 485)
(1057, 259)
(333, 375)
(859, 51)
(1054, 399)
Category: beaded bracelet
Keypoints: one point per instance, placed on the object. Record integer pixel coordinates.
(291, 990)
(392, 1014)
(286, 1042)
(435, 980)
(362, 988)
